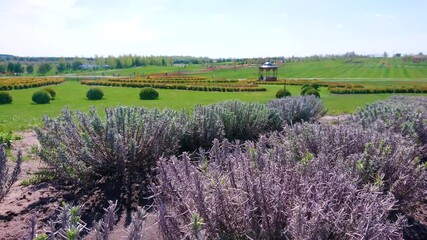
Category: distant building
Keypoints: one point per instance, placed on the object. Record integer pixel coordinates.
(267, 72)
(419, 58)
(88, 67)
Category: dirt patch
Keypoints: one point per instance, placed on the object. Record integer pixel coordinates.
(43, 200)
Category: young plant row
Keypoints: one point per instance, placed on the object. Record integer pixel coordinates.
(193, 87)
(22, 83)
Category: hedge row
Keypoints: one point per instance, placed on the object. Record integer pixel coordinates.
(205, 87)
(161, 80)
(292, 82)
(377, 90)
(22, 83)
(175, 77)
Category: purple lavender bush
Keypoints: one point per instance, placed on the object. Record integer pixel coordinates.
(404, 115)
(125, 146)
(310, 181)
(298, 109)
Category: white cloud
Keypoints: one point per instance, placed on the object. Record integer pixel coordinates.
(340, 25)
(378, 15)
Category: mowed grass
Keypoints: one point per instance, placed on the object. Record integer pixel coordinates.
(369, 68)
(23, 114)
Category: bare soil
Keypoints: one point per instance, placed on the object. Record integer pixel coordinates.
(43, 200)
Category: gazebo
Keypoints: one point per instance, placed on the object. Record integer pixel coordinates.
(267, 72)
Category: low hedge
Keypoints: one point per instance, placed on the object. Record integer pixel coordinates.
(95, 94)
(5, 98)
(148, 93)
(41, 97)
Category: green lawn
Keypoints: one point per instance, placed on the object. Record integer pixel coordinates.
(23, 114)
(369, 68)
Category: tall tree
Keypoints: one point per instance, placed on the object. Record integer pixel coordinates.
(3, 68)
(62, 66)
(44, 68)
(18, 68)
(29, 69)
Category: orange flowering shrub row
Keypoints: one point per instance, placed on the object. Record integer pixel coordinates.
(27, 82)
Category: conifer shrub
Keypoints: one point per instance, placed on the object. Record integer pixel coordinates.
(41, 97)
(95, 94)
(312, 92)
(283, 93)
(148, 93)
(51, 92)
(5, 98)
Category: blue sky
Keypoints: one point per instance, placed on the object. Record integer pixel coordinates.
(221, 28)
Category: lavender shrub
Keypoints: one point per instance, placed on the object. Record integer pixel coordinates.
(8, 179)
(404, 115)
(298, 109)
(292, 185)
(82, 147)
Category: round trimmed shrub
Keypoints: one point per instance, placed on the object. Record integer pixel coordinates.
(148, 93)
(305, 89)
(94, 94)
(313, 92)
(5, 98)
(41, 97)
(283, 93)
(51, 92)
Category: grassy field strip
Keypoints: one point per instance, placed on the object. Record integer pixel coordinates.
(23, 114)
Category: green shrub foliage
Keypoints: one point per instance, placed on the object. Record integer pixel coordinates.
(95, 94)
(283, 93)
(148, 93)
(5, 98)
(313, 92)
(51, 92)
(41, 97)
